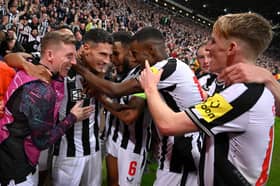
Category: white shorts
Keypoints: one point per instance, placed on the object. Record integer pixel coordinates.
(130, 167)
(164, 177)
(75, 171)
(112, 148)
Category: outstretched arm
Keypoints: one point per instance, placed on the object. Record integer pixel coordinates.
(249, 73)
(109, 88)
(167, 121)
(18, 60)
(111, 105)
(127, 113)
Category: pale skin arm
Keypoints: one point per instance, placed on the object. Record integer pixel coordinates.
(26, 3)
(18, 60)
(167, 121)
(248, 73)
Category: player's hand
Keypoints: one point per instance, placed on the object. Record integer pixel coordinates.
(80, 112)
(149, 77)
(244, 73)
(38, 71)
(79, 68)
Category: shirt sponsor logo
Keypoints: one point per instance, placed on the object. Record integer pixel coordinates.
(214, 107)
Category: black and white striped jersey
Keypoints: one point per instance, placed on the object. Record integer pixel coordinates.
(206, 80)
(238, 123)
(136, 136)
(83, 137)
(180, 89)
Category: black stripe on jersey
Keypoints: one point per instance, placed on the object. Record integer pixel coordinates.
(85, 131)
(71, 84)
(125, 138)
(168, 68)
(198, 122)
(209, 80)
(243, 103)
(103, 132)
(144, 159)
(111, 117)
(225, 173)
(117, 126)
(240, 105)
(177, 160)
(139, 134)
(182, 155)
(169, 98)
(163, 152)
(149, 137)
(202, 163)
(96, 127)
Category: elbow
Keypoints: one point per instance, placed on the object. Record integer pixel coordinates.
(164, 128)
(112, 92)
(128, 121)
(7, 57)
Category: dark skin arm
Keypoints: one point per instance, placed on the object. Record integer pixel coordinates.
(130, 112)
(109, 104)
(109, 88)
(18, 60)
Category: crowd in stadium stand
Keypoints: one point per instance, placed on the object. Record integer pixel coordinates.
(25, 22)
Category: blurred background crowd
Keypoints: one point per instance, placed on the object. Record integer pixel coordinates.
(25, 22)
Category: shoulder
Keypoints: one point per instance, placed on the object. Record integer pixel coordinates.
(39, 90)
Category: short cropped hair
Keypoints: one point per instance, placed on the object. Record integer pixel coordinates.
(252, 28)
(148, 33)
(98, 35)
(202, 44)
(123, 37)
(54, 38)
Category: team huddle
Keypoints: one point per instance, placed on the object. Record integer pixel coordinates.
(212, 127)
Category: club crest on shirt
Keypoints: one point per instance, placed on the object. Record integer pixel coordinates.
(214, 107)
(77, 94)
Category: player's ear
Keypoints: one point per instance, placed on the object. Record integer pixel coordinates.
(49, 54)
(86, 46)
(152, 50)
(232, 47)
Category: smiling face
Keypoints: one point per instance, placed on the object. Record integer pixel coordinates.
(97, 56)
(58, 52)
(217, 47)
(63, 59)
(141, 52)
(120, 57)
